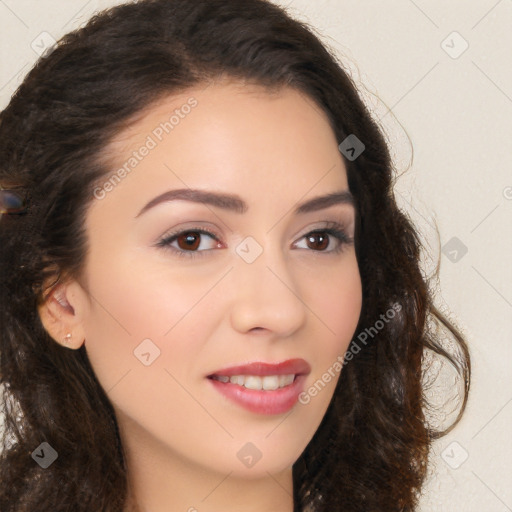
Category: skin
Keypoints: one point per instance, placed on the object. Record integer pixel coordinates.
(273, 150)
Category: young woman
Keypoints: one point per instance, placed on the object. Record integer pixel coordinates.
(210, 300)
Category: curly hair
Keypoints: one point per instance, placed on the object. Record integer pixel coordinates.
(371, 450)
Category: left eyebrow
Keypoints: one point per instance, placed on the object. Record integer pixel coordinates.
(321, 202)
(236, 204)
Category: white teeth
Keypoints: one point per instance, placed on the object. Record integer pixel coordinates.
(237, 379)
(251, 382)
(268, 382)
(286, 380)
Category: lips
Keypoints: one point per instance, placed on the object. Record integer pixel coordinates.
(264, 388)
(295, 366)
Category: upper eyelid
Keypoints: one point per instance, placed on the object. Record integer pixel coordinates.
(212, 232)
(341, 226)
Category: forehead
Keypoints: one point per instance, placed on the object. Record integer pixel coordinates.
(229, 107)
(229, 136)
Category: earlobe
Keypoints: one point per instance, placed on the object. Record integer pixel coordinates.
(61, 319)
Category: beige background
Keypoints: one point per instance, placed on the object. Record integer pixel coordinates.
(455, 105)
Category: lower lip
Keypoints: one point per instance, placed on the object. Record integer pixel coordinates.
(277, 401)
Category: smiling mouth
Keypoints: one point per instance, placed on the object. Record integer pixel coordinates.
(262, 388)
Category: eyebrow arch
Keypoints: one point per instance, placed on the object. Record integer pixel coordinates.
(236, 204)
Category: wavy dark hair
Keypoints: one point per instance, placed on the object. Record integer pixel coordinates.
(371, 450)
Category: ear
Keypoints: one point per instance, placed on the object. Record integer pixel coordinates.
(63, 314)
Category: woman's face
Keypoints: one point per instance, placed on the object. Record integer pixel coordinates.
(202, 259)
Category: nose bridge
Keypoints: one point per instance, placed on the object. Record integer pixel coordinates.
(267, 293)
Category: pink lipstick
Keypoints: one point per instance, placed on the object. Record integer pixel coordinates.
(263, 388)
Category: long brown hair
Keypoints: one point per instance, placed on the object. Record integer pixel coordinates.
(370, 451)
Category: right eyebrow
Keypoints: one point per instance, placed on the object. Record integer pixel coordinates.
(224, 201)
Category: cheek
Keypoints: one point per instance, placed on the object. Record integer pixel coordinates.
(336, 300)
(135, 312)
(144, 342)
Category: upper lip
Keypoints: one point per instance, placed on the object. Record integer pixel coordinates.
(288, 367)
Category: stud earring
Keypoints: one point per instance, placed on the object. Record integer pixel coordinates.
(67, 338)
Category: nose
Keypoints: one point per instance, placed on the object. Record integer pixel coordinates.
(267, 296)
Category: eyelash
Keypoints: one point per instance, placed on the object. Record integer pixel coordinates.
(332, 229)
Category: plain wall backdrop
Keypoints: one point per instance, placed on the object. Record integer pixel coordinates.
(439, 73)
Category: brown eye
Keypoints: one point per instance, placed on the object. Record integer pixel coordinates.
(318, 241)
(331, 240)
(189, 241)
